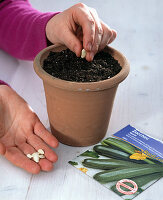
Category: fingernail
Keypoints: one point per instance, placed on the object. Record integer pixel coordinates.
(114, 32)
(76, 51)
(89, 46)
(91, 56)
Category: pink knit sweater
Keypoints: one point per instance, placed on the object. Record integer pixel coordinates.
(22, 29)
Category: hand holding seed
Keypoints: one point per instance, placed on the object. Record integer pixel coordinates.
(23, 134)
(37, 155)
(82, 28)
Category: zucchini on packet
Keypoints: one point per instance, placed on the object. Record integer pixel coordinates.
(127, 163)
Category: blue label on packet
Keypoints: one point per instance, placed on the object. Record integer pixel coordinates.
(149, 146)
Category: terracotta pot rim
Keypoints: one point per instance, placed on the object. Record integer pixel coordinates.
(80, 86)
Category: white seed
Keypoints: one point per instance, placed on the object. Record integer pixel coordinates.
(41, 156)
(29, 156)
(83, 53)
(35, 153)
(40, 151)
(36, 157)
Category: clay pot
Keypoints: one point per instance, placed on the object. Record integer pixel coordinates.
(79, 113)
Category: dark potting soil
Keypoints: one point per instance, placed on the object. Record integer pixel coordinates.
(67, 66)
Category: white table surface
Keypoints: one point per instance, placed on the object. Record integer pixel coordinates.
(139, 101)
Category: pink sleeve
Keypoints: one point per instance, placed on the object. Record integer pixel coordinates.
(22, 29)
(3, 83)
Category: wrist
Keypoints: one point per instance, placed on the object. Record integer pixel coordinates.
(47, 32)
(50, 30)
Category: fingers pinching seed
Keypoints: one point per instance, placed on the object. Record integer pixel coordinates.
(98, 32)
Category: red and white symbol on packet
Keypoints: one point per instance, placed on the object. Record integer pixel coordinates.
(131, 190)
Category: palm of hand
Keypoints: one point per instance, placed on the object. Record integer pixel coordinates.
(22, 133)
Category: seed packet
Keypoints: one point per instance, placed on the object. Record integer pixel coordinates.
(127, 163)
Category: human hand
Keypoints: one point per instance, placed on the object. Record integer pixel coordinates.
(22, 133)
(80, 27)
